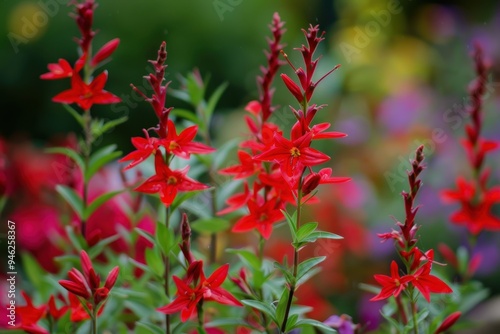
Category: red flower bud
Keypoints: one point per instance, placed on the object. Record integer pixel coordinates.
(448, 322)
(100, 295)
(310, 183)
(106, 51)
(292, 87)
(111, 279)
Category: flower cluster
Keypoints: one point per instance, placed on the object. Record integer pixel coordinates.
(166, 182)
(85, 91)
(195, 288)
(87, 285)
(417, 263)
(277, 184)
(475, 197)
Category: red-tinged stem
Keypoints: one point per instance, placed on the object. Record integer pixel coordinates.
(401, 309)
(166, 274)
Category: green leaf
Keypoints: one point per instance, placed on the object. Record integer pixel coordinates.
(214, 99)
(35, 274)
(97, 249)
(154, 261)
(186, 114)
(70, 153)
(110, 125)
(144, 328)
(210, 225)
(308, 264)
(73, 199)
(223, 322)
(96, 203)
(321, 235)
(100, 158)
(164, 238)
(221, 154)
(314, 323)
(286, 272)
(281, 307)
(76, 240)
(291, 220)
(307, 276)
(75, 114)
(267, 309)
(292, 322)
(247, 256)
(181, 198)
(180, 94)
(145, 234)
(305, 230)
(194, 91)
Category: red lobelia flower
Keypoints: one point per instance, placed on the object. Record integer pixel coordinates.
(196, 288)
(30, 315)
(293, 155)
(144, 148)
(169, 182)
(60, 70)
(182, 144)
(476, 211)
(391, 285)
(427, 283)
(85, 95)
(261, 217)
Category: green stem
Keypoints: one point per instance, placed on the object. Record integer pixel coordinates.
(94, 321)
(414, 312)
(87, 119)
(295, 258)
(166, 274)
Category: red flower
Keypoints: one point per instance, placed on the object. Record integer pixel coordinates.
(427, 283)
(237, 201)
(248, 167)
(323, 176)
(30, 315)
(475, 213)
(87, 285)
(181, 145)
(86, 95)
(293, 156)
(391, 285)
(448, 322)
(145, 147)
(168, 182)
(54, 312)
(262, 217)
(60, 70)
(205, 289)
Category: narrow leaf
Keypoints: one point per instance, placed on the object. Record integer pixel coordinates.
(247, 256)
(100, 158)
(308, 264)
(70, 153)
(268, 309)
(72, 198)
(214, 99)
(210, 225)
(305, 230)
(75, 114)
(96, 203)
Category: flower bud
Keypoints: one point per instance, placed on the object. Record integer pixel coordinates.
(106, 51)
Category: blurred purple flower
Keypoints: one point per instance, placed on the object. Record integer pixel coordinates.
(343, 324)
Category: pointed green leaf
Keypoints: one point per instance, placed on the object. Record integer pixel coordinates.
(281, 307)
(145, 234)
(314, 323)
(286, 272)
(265, 308)
(308, 264)
(100, 158)
(96, 203)
(76, 240)
(292, 322)
(247, 256)
(186, 114)
(70, 153)
(164, 238)
(305, 230)
(145, 328)
(292, 221)
(97, 249)
(75, 114)
(210, 225)
(110, 125)
(214, 99)
(154, 261)
(321, 235)
(73, 199)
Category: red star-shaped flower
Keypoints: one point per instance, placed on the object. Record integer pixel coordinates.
(168, 182)
(391, 285)
(181, 144)
(261, 217)
(86, 95)
(145, 147)
(293, 155)
(60, 70)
